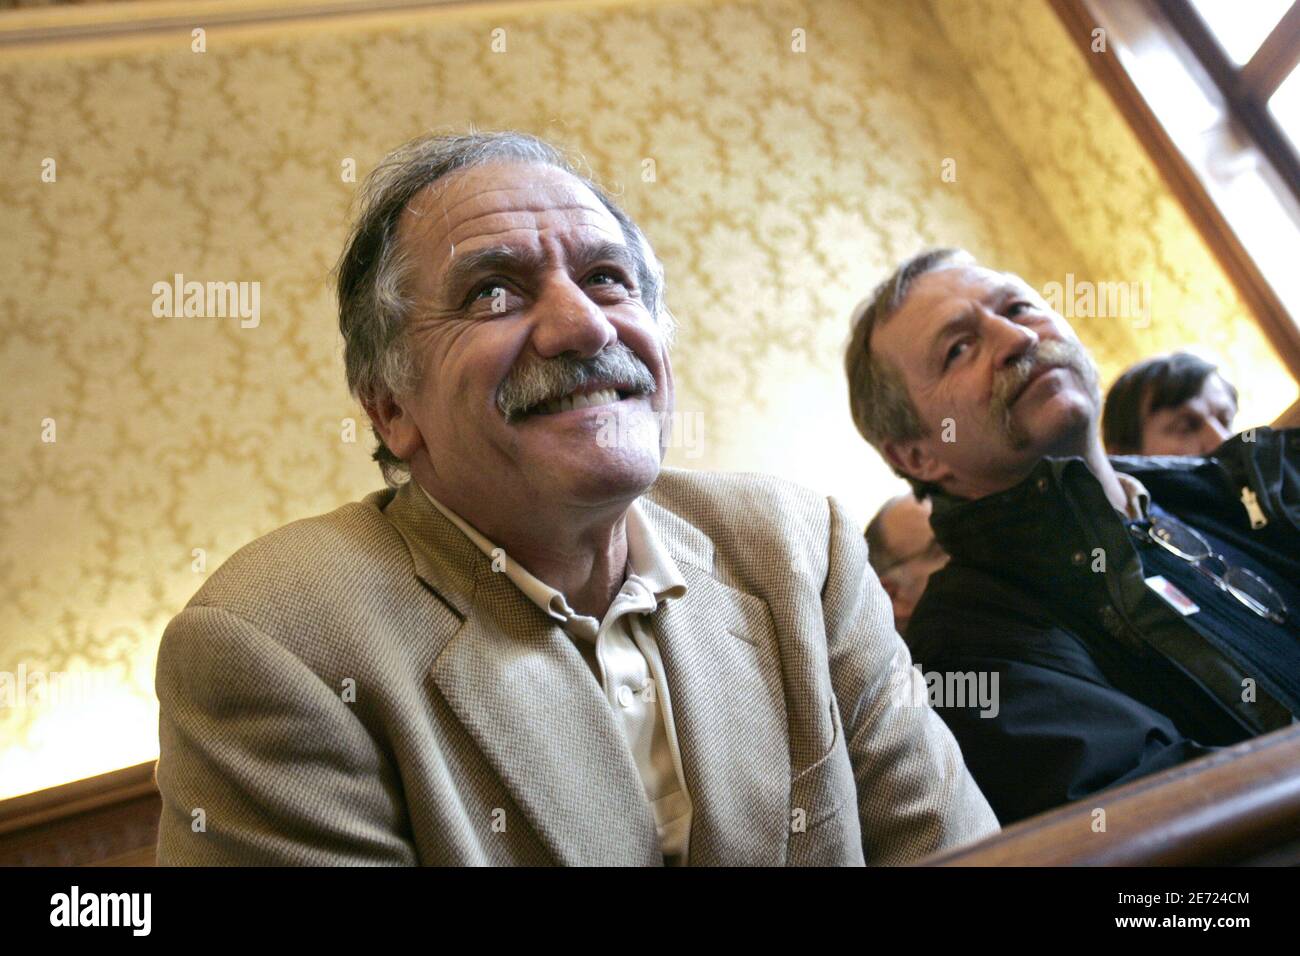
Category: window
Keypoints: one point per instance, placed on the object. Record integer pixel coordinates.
(1285, 107)
(1241, 28)
(1212, 90)
(1250, 49)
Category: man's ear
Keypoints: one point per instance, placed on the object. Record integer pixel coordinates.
(395, 425)
(914, 458)
(668, 389)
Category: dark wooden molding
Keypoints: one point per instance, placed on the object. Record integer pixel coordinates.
(80, 796)
(108, 820)
(62, 23)
(1238, 806)
(1278, 325)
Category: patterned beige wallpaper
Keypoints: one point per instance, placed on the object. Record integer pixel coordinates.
(797, 150)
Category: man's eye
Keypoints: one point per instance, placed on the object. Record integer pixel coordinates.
(954, 352)
(1015, 308)
(494, 294)
(605, 277)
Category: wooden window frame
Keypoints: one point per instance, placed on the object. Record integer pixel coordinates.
(1247, 88)
(1276, 308)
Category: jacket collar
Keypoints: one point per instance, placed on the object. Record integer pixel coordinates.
(965, 526)
(647, 560)
(1261, 461)
(443, 557)
(522, 690)
(1030, 531)
(446, 559)
(1010, 524)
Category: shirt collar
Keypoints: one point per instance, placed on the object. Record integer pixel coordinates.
(1137, 498)
(648, 562)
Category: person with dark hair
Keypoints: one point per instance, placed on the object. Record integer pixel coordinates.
(1127, 613)
(1176, 404)
(903, 552)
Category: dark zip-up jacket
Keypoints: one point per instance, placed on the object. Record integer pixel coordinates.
(1099, 680)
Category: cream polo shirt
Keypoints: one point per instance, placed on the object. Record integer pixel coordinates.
(1136, 496)
(631, 669)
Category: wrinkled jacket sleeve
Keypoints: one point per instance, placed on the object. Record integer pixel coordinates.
(261, 763)
(915, 794)
(1060, 733)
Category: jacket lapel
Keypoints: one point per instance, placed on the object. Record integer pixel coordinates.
(529, 700)
(721, 660)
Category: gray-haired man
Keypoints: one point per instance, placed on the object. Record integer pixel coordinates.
(537, 646)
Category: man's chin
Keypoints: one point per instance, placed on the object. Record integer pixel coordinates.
(595, 454)
(1063, 429)
(601, 475)
(605, 488)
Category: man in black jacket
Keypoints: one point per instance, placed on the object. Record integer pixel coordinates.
(1132, 613)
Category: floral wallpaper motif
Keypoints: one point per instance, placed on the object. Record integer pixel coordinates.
(798, 150)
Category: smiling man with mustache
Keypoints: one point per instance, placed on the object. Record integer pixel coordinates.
(537, 645)
(1135, 612)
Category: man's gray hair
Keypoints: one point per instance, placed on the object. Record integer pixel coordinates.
(374, 270)
(881, 407)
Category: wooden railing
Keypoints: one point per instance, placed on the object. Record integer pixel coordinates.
(108, 820)
(1238, 806)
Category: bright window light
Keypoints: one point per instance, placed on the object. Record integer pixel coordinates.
(1285, 107)
(1241, 25)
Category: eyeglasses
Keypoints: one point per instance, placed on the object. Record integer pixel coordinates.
(1246, 586)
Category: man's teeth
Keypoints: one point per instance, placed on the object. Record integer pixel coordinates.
(607, 396)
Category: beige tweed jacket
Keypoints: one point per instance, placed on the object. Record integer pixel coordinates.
(361, 688)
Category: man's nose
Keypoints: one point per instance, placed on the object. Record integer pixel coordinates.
(1010, 340)
(1213, 433)
(568, 321)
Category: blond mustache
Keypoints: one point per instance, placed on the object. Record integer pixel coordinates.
(1011, 380)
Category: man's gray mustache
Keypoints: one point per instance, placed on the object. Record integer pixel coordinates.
(539, 381)
(1012, 380)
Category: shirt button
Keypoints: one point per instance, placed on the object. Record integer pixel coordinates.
(624, 696)
(1078, 557)
(1042, 484)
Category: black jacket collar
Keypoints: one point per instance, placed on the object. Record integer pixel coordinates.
(1027, 530)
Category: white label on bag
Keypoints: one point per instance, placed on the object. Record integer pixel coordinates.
(1175, 598)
